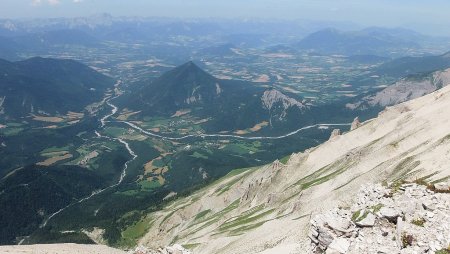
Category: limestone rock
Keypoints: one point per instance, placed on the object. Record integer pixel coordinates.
(429, 205)
(368, 221)
(335, 133)
(442, 186)
(399, 232)
(175, 249)
(339, 245)
(355, 124)
(426, 220)
(389, 213)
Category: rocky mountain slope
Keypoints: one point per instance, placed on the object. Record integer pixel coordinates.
(268, 209)
(406, 89)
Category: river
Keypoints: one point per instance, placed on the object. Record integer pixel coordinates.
(114, 110)
(122, 175)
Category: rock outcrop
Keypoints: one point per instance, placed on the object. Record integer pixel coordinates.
(175, 249)
(274, 99)
(271, 97)
(408, 218)
(355, 124)
(334, 134)
(404, 90)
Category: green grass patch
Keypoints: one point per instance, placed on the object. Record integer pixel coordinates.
(323, 175)
(115, 131)
(285, 159)
(418, 222)
(190, 246)
(403, 167)
(376, 208)
(245, 219)
(209, 220)
(443, 251)
(134, 232)
(356, 216)
(202, 214)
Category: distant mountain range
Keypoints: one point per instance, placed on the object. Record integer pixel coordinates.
(226, 49)
(405, 66)
(248, 32)
(374, 41)
(56, 37)
(12, 47)
(230, 104)
(48, 86)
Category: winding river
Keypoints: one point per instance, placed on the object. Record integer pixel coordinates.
(122, 175)
(114, 110)
(228, 136)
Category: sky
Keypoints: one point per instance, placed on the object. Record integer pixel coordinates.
(364, 12)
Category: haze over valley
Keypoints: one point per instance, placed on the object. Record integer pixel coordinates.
(222, 134)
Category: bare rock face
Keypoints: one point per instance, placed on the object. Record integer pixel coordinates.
(404, 90)
(175, 249)
(335, 133)
(271, 97)
(385, 220)
(355, 124)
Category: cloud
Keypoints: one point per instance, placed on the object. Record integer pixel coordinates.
(36, 2)
(40, 2)
(77, 1)
(53, 2)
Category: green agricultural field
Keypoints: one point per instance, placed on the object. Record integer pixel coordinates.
(11, 131)
(115, 131)
(149, 185)
(56, 149)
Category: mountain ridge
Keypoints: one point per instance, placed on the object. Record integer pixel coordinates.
(374, 41)
(40, 85)
(229, 104)
(269, 208)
